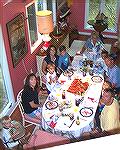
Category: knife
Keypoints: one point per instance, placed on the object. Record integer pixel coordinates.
(72, 123)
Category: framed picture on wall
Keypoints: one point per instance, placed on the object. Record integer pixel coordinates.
(17, 38)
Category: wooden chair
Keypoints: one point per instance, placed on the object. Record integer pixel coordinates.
(27, 121)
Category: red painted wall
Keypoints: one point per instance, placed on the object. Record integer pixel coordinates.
(77, 16)
(18, 73)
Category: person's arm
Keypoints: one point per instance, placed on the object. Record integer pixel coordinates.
(83, 49)
(69, 61)
(33, 105)
(44, 66)
(50, 80)
(59, 62)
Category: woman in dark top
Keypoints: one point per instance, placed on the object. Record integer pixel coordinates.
(51, 57)
(30, 99)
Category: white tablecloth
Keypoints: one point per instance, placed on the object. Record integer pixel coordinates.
(64, 125)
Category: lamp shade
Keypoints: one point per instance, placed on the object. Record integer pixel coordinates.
(45, 21)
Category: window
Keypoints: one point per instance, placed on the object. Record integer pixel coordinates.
(6, 92)
(108, 7)
(34, 36)
(32, 23)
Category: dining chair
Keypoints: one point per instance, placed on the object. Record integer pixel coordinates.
(27, 121)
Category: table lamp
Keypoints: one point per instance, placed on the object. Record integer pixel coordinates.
(45, 26)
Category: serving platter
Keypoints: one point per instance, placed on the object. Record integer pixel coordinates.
(86, 112)
(78, 87)
(97, 79)
(68, 73)
(51, 105)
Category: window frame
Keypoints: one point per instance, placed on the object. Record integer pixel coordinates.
(54, 10)
(6, 77)
(101, 7)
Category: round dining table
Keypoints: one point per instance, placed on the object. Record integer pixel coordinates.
(70, 113)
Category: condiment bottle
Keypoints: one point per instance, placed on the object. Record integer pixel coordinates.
(84, 71)
(63, 94)
(78, 120)
(85, 62)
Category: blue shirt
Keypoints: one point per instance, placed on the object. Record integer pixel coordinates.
(94, 48)
(114, 75)
(63, 61)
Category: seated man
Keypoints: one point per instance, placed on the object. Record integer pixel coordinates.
(109, 117)
(113, 74)
(101, 63)
(92, 47)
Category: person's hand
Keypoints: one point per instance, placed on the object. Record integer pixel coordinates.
(50, 77)
(56, 78)
(39, 93)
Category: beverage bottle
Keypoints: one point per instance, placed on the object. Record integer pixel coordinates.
(84, 71)
(78, 120)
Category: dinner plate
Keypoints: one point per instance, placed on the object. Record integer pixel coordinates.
(97, 79)
(86, 112)
(68, 73)
(51, 105)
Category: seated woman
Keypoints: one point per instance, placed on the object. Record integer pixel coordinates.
(92, 47)
(30, 99)
(64, 58)
(51, 57)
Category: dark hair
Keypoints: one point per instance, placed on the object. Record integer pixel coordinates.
(108, 82)
(62, 48)
(50, 64)
(27, 80)
(104, 52)
(110, 90)
(49, 48)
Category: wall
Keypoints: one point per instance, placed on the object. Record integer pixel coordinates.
(77, 16)
(18, 73)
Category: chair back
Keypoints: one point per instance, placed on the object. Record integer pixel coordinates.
(25, 117)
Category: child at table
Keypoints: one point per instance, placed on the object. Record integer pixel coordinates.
(9, 132)
(13, 133)
(51, 77)
(64, 58)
